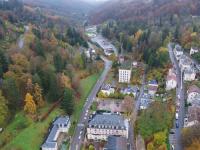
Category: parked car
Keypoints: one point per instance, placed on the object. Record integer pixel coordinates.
(176, 115)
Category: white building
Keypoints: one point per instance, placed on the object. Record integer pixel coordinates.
(193, 93)
(60, 125)
(189, 74)
(152, 87)
(124, 75)
(171, 80)
(107, 89)
(193, 50)
(104, 125)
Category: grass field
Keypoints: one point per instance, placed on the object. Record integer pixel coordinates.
(25, 134)
(29, 138)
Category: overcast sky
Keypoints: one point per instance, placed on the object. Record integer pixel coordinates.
(95, 0)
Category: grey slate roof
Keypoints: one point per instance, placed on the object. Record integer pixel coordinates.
(116, 143)
(50, 141)
(107, 121)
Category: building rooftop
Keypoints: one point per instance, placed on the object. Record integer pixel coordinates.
(116, 143)
(126, 65)
(106, 87)
(107, 121)
(194, 113)
(51, 141)
(194, 88)
(153, 82)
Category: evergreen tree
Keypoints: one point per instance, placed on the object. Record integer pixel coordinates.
(67, 103)
(58, 63)
(11, 92)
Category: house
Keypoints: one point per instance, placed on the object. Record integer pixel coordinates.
(189, 74)
(193, 116)
(60, 125)
(125, 73)
(104, 125)
(193, 92)
(130, 90)
(152, 87)
(121, 59)
(107, 89)
(135, 64)
(171, 81)
(185, 62)
(145, 101)
(178, 51)
(116, 143)
(194, 50)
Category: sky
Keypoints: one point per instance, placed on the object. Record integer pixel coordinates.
(95, 0)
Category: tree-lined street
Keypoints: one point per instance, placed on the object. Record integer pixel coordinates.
(180, 98)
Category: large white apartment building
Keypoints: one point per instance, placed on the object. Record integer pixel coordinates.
(104, 125)
(124, 75)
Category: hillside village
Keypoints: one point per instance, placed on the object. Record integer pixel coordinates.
(129, 82)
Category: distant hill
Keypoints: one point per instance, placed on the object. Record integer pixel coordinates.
(143, 9)
(70, 6)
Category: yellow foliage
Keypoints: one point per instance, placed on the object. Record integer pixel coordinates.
(30, 105)
(194, 146)
(38, 95)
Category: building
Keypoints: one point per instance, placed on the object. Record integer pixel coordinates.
(130, 90)
(185, 62)
(171, 81)
(178, 51)
(121, 59)
(104, 125)
(145, 101)
(116, 143)
(135, 64)
(193, 116)
(194, 50)
(107, 89)
(193, 92)
(60, 125)
(189, 74)
(152, 87)
(125, 73)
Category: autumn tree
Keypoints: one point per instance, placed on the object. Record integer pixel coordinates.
(4, 113)
(67, 103)
(128, 104)
(38, 95)
(30, 105)
(29, 86)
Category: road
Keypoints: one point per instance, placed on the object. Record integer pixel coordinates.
(135, 113)
(78, 137)
(181, 93)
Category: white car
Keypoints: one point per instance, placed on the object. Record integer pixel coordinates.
(86, 111)
(176, 116)
(85, 118)
(79, 137)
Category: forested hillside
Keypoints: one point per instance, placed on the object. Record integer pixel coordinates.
(40, 59)
(145, 10)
